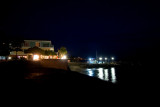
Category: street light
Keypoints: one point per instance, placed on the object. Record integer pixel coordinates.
(100, 58)
(112, 58)
(105, 58)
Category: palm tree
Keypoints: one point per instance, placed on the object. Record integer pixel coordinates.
(62, 51)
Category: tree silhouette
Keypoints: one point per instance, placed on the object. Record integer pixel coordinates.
(16, 45)
(35, 50)
(49, 52)
(62, 51)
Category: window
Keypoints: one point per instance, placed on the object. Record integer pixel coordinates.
(26, 44)
(37, 44)
(32, 44)
(45, 44)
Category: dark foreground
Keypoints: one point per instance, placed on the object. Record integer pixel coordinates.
(34, 75)
(33, 78)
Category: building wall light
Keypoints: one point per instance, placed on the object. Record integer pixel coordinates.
(64, 57)
(35, 57)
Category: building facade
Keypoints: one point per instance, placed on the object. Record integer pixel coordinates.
(43, 44)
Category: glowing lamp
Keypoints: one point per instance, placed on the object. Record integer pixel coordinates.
(112, 58)
(35, 57)
(9, 58)
(100, 58)
(64, 57)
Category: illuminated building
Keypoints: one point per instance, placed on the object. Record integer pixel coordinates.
(42, 44)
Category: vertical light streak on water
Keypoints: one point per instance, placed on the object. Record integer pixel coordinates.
(90, 72)
(106, 74)
(100, 73)
(113, 75)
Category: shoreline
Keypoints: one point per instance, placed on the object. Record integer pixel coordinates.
(86, 65)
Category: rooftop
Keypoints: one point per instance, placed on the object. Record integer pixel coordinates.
(38, 40)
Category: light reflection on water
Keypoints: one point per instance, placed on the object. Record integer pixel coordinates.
(100, 73)
(90, 72)
(113, 75)
(103, 74)
(106, 75)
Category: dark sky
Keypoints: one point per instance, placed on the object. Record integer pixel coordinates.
(111, 27)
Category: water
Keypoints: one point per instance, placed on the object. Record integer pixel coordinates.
(108, 75)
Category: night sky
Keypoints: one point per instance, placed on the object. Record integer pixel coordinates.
(113, 28)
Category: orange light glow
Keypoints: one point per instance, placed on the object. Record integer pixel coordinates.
(35, 57)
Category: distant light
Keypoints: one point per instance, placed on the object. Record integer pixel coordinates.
(9, 58)
(105, 58)
(46, 57)
(2, 58)
(112, 58)
(35, 57)
(100, 62)
(100, 58)
(51, 49)
(25, 57)
(64, 57)
(90, 59)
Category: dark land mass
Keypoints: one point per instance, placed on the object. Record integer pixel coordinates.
(32, 78)
(31, 75)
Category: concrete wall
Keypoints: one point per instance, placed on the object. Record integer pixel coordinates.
(55, 63)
